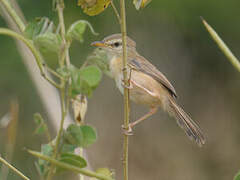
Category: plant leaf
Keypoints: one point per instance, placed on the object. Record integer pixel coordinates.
(85, 80)
(105, 171)
(74, 134)
(48, 43)
(38, 26)
(92, 75)
(89, 135)
(82, 136)
(77, 29)
(79, 105)
(73, 159)
(41, 126)
(69, 167)
(68, 148)
(99, 57)
(93, 7)
(237, 176)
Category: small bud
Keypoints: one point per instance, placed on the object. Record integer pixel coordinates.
(79, 105)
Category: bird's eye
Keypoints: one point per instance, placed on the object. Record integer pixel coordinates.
(116, 44)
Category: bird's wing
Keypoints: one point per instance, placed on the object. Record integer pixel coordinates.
(142, 65)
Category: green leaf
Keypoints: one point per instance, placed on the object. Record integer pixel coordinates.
(237, 176)
(89, 135)
(41, 126)
(77, 29)
(42, 165)
(47, 149)
(92, 75)
(105, 171)
(48, 42)
(100, 58)
(68, 148)
(68, 166)
(84, 81)
(38, 26)
(74, 134)
(82, 136)
(73, 159)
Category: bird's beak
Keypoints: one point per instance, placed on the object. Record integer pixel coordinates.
(98, 44)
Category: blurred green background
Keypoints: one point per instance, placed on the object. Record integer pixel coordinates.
(170, 35)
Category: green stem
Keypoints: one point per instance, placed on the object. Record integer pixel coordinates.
(126, 91)
(60, 8)
(34, 51)
(13, 14)
(13, 168)
(116, 12)
(70, 167)
(235, 62)
(64, 101)
(58, 138)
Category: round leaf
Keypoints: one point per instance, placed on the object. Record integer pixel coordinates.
(92, 75)
(48, 42)
(89, 135)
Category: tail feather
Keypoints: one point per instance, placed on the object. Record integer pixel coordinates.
(187, 124)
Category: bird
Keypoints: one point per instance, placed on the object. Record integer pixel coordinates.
(147, 85)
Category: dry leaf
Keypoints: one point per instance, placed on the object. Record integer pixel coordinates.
(93, 7)
(141, 3)
(79, 105)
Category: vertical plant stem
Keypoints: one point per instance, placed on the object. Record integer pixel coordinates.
(64, 102)
(13, 168)
(13, 14)
(126, 91)
(60, 8)
(58, 138)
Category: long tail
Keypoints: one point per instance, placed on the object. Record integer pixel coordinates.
(186, 123)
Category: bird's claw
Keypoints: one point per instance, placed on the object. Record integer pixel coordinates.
(127, 86)
(127, 131)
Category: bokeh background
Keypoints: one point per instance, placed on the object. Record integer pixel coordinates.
(171, 35)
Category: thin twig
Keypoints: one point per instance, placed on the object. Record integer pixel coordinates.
(32, 48)
(116, 12)
(64, 105)
(13, 168)
(13, 14)
(70, 167)
(235, 62)
(126, 91)
(50, 70)
(60, 8)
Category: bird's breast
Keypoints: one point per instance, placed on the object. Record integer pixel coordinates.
(116, 71)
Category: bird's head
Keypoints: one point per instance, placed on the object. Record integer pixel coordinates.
(113, 44)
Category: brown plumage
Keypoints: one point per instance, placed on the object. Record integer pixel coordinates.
(148, 86)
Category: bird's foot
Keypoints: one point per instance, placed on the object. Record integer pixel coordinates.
(127, 86)
(127, 131)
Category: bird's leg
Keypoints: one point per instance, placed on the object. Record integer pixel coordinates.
(130, 86)
(128, 131)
